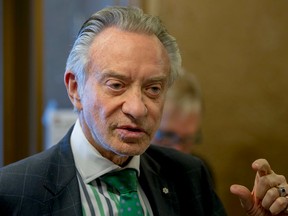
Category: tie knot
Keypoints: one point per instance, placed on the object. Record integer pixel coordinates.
(125, 181)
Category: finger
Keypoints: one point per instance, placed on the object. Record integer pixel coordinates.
(262, 167)
(265, 183)
(279, 205)
(270, 197)
(244, 195)
(261, 184)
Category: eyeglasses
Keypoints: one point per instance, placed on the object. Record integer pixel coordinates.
(171, 138)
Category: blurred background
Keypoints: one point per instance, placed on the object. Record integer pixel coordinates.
(238, 51)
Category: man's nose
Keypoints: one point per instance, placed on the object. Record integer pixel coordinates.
(134, 105)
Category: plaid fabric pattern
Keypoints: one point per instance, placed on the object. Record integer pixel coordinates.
(44, 184)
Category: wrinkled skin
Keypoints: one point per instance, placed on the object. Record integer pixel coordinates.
(123, 95)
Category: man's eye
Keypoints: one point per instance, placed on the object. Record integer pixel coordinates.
(154, 90)
(115, 85)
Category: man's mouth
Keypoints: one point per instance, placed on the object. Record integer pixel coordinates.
(131, 133)
(132, 129)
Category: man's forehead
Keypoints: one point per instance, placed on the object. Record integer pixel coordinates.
(125, 76)
(114, 34)
(118, 50)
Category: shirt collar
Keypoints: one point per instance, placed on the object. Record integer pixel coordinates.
(89, 162)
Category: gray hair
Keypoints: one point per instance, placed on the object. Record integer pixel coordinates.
(125, 18)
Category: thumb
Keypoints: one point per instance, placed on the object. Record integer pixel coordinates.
(244, 195)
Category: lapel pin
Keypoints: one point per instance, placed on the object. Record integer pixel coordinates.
(165, 190)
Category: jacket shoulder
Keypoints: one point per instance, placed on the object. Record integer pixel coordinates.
(41, 184)
(25, 176)
(167, 156)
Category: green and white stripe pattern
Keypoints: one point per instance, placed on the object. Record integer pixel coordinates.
(97, 200)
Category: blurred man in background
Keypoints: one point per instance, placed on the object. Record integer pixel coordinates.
(180, 126)
(181, 122)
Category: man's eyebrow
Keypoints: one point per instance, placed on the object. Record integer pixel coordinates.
(103, 75)
(161, 78)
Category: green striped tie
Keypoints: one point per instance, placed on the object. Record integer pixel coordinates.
(125, 182)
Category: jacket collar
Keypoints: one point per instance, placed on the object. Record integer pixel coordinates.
(61, 168)
(158, 189)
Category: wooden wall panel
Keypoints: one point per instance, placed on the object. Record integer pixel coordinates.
(16, 79)
(22, 78)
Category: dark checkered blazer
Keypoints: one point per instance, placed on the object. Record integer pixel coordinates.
(46, 184)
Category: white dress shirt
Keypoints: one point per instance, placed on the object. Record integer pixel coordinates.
(91, 165)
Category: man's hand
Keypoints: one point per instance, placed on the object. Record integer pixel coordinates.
(265, 198)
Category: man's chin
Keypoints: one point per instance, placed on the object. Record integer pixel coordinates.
(131, 150)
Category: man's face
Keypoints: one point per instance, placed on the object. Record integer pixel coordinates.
(123, 96)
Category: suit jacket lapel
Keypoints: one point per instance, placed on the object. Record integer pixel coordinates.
(159, 191)
(62, 190)
(61, 181)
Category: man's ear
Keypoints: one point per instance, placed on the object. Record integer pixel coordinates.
(72, 89)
